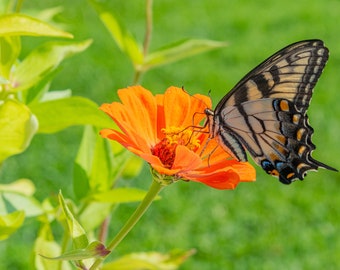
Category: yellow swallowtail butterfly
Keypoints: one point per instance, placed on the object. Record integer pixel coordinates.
(265, 112)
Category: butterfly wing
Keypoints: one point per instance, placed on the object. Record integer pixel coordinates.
(291, 73)
(266, 112)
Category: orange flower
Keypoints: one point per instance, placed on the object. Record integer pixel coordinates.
(160, 129)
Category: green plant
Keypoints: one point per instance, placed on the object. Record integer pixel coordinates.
(25, 92)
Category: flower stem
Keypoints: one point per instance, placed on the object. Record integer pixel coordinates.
(148, 27)
(136, 77)
(147, 39)
(155, 188)
(104, 229)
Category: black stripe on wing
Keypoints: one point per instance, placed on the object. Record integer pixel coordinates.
(290, 73)
(265, 112)
(275, 133)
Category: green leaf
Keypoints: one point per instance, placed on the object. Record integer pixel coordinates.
(3, 210)
(121, 159)
(10, 47)
(45, 245)
(28, 204)
(19, 195)
(150, 261)
(93, 250)
(48, 14)
(59, 94)
(94, 214)
(101, 171)
(21, 186)
(15, 132)
(126, 164)
(81, 184)
(43, 60)
(180, 50)
(123, 38)
(39, 91)
(133, 167)
(10, 223)
(76, 230)
(95, 158)
(23, 25)
(121, 195)
(56, 115)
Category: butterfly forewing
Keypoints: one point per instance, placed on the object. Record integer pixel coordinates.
(290, 73)
(266, 112)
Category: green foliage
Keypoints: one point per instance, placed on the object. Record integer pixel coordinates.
(139, 58)
(260, 225)
(15, 132)
(23, 25)
(123, 38)
(179, 50)
(9, 223)
(75, 230)
(46, 58)
(149, 261)
(25, 91)
(18, 78)
(93, 250)
(58, 114)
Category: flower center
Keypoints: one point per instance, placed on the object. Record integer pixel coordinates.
(166, 148)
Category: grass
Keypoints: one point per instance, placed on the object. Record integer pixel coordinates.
(261, 225)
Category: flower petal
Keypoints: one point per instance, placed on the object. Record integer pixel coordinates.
(128, 140)
(223, 175)
(184, 113)
(160, 116)
(141, 113)
(185, 159)
(221, 180)
(245, 170)
(198, 104)
(175, 115)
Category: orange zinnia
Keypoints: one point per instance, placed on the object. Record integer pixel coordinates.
(161, 130)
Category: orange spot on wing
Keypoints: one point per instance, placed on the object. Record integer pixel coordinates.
(296, 118)
(284, 106)
(290, 175)
(300, 133)
(302, 149)
(281, 139)
(274, 173)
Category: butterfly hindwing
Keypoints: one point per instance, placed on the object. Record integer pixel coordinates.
(266, 112)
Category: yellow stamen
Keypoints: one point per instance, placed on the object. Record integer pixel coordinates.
(176, 135)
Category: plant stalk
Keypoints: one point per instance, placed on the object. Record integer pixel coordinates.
(155, 188)
(147, 39)
(148, 27)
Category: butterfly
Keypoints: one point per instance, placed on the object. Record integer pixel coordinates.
(265, 112)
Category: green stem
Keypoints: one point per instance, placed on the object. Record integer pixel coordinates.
(147, 39)
(104, 229)
(155, 188)
(148, 27)
(19, 5)
(136, 77)
(64, 244)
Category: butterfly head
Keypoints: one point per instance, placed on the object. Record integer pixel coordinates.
(210, 122)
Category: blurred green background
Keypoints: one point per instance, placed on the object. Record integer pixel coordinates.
(260, 225)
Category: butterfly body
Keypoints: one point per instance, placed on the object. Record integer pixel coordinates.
(265, 112)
